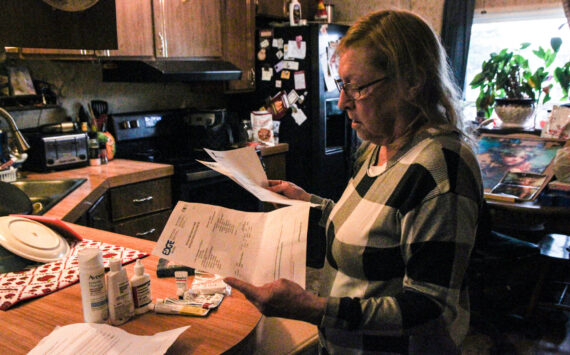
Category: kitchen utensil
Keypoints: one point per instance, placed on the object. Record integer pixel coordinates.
(32, 240)
(13, 200)
(100, 111)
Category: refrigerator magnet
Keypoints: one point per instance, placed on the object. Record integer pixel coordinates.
(264, 43)
(291, 65)
(279, 54)
(262, 54)
(279, 66)
(278, 43)
(299, 78)
(266, 74)
(278, 84)
(298, 115)
(292, 97)
(285, 74)
(267, 32)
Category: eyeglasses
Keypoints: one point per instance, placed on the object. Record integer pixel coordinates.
(355, 92)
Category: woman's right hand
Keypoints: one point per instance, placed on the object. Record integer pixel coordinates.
(288, 189)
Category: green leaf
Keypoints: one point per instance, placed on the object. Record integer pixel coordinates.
(525, 45)
(555, 43)
(539, 53)
(477, 80)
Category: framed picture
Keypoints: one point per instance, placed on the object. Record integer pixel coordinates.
(20, 81)
(520, 186)
(499, 154)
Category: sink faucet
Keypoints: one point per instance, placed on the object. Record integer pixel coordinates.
(21, 144)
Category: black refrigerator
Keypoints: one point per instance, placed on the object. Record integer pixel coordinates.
(321, 142)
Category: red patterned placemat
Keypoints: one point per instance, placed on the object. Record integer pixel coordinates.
(50, 277)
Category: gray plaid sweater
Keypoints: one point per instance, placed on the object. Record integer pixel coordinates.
(398, 245)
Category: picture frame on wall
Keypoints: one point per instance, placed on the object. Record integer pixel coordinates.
(21, 82)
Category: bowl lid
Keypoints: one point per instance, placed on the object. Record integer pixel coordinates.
(32, 240)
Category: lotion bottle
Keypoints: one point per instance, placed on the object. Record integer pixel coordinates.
(140, 283)
(92, 283)
(294, 13)
(120, 294)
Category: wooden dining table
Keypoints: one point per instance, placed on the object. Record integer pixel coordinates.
(228, 329)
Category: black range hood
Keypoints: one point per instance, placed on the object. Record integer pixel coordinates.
(169, 71)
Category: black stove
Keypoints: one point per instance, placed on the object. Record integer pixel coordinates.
(178, 138)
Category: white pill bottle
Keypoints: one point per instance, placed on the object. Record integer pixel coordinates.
(121, 305)
(140, 283)
(92, 283)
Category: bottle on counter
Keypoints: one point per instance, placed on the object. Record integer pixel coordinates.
(140, 283)
(120, 294)
(92, 283)
(94, 158)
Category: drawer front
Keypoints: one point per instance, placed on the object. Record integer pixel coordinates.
(147, 227)
(140, 198)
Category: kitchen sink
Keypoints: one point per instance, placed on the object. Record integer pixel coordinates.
(44, 194)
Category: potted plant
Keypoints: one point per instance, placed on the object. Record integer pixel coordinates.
(507, 84)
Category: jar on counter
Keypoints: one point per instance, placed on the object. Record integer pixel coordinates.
(94, 152)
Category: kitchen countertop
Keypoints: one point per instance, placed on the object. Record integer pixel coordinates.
(100, 178)
(230, 328)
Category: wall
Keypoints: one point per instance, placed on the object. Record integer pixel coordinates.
(431, 10)
(78, 82)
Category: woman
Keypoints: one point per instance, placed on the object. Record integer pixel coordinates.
(400, 237)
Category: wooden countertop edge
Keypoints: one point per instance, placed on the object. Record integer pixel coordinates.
(271, 150)
(116, 173)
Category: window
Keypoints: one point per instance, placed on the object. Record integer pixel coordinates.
(492, 32)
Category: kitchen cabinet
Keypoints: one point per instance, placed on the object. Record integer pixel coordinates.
(138, 210)
(134, 30)
(186, 29)
(238, 38)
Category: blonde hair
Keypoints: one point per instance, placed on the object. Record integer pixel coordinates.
(407, 49)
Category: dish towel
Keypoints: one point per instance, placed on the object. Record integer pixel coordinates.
(47, 278)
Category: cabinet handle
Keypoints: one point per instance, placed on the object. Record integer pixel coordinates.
(141, 200)
(142, 234)
(251, 77)
(161, 49)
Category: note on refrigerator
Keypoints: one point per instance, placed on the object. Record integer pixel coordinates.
(257, 247)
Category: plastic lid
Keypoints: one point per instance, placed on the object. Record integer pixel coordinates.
(115, 264)
(90, 257)
(139, 268)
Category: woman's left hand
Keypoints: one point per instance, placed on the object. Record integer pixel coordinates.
(282, 298)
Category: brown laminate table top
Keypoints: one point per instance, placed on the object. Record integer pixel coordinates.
(226, 329)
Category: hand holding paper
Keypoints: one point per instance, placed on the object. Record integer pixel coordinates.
(243, 166)
(252, 246)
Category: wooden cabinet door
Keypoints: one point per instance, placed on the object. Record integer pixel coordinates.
(134, 30)
(238, 37)
(187, 28)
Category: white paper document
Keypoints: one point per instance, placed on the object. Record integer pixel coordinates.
(242, 166)
(257, 247)
(95, 339)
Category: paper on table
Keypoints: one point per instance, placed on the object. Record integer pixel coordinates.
(92, 338)
(253, 246)
(242, 166)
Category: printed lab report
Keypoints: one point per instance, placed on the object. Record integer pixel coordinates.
(257, 247)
